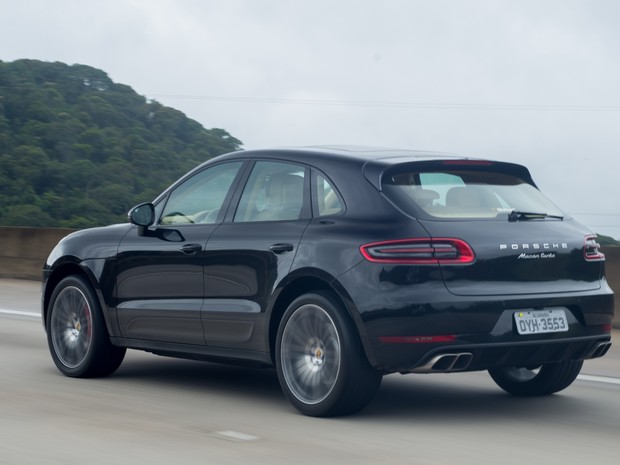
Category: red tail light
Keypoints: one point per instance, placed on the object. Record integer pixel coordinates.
(419, 252)
(591, 249)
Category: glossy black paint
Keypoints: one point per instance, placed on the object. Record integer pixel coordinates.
(217, 291)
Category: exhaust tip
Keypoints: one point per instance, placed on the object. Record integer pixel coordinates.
(600, 350)
(445, 363)
(462, 362)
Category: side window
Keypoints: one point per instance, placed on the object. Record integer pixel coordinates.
(274, 192)
(200, 198)
(327, 201)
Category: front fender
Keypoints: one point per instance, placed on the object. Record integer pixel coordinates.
(90, 253)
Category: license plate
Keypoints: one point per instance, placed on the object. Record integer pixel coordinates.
(541, 321)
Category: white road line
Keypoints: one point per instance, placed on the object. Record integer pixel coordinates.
(6, 311)
(599, 379)
(235, 436)
(241, 436)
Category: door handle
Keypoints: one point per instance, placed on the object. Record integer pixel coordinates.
(191, 249)
(281, 248)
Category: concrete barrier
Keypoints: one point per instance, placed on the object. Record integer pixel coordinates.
(23, 252)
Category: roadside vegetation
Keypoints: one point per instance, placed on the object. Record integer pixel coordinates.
(608, 241)
(78, 150)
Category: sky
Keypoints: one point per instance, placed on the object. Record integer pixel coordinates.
(535, 82)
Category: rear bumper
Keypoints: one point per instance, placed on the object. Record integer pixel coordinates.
(474, 352)
(425, 328)
(529, 354)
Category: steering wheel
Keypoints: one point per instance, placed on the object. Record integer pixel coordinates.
(182, 215)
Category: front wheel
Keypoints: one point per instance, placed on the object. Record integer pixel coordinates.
(76, 332)
(542, 381)
(320, 361)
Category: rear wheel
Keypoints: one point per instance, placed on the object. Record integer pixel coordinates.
(76, 333)
(320, 361)
(545, 380)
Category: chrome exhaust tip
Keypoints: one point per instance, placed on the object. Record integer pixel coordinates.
(445, 363)
(600, 350)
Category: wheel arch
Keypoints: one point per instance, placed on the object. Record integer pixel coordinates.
(71, 267)
(312, 281)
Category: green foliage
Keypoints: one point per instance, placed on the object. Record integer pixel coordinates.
(607, 241)
(78, 150)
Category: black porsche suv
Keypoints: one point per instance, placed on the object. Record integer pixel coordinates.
(338, 266)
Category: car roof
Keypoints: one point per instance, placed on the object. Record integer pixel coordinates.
(373, 161)
(359, 153)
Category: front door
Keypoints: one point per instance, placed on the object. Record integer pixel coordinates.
(160, 285)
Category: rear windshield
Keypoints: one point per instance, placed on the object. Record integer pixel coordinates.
(464, 194)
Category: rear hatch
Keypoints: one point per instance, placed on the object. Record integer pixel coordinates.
(521, 242)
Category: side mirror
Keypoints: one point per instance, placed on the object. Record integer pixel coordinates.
(142, 215)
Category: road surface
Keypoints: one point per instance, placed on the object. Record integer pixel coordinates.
(156, 410)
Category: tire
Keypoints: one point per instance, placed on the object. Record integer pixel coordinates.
(551, 378)
(76, 332)
(321, 365)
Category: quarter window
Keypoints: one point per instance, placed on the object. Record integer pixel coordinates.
(327, 200)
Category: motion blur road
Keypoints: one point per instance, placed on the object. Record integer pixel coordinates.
(164, 411)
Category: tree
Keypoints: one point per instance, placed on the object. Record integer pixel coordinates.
(77, 149)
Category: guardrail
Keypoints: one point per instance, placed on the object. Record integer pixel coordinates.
(23, 252)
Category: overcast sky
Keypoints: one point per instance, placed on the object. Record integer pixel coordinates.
(535, 82)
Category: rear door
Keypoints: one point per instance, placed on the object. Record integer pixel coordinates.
(247, 257)
(523, 244)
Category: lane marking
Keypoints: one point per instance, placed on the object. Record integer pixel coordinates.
(6, 311)
(235, 436)
(599, 379)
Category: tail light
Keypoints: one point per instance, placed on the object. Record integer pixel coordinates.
(419, 252)
(591, 249)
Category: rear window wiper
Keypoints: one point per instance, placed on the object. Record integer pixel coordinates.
(517, 215)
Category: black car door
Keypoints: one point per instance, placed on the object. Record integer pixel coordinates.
(160, 285)
(250, 253)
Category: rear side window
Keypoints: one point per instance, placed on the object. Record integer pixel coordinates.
(275, 191)
(464, 194)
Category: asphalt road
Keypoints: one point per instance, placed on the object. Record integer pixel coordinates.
(164, 411)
